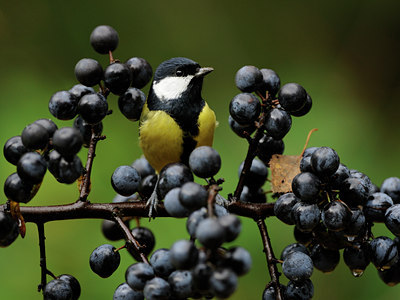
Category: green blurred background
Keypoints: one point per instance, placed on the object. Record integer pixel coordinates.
(345, 53)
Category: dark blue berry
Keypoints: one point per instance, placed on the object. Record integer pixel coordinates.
(210, 233)
(336, 216)
(157, 288)
(64, 170)
(391, 186)
(50, 126)
(138, 274)
(384, 252)
(283, 207)
(341, 174)
(104, 260)
(63, 105)
(232, 226)
(161, 263)
(17, 190)
(124, 292)
(181, 283)
(297, 266)
(325, 161)
(306, 216)
(35, 136)
(13, 149)
(9, 229)
(117, 78)
(74, 284)
(256, 176)
(252, 195)
(357, 258)
(143, 167)
(269, 146)
(239, 260)
(204, 162)
(193, 196)
(249, 79)
(145, 238)
(307, 187)
(104, 38)
(88, 72)
(354, 191)
(392, 219)
(245, 108)
(173, 205)
(304, 110)
(141, 71)
(299, 290)
(324, 259)
(80, 90)
(86, 130)
(67, 141)
(271, 82)
(292, 97)
(57, 289)
(376, 206)
(277, 123)
(183, 254)
(93, 108)
(131, 103)
(125, 180)
(295, 247)
(223, 282)
(31, 167)
(171, 176)
(111, 230)
(241, 130)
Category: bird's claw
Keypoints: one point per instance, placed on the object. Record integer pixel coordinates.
(152, 203)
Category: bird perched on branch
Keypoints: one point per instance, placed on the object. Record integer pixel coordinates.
(175, 118)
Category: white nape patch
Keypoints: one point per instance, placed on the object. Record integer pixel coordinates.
(171, 87)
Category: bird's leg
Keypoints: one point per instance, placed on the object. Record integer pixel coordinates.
(152, 202)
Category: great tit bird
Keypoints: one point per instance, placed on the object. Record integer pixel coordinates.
(175, 118)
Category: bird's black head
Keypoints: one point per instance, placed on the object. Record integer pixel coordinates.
(179, 78)
(177, 66)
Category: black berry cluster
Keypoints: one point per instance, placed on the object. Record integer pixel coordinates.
(333, 208)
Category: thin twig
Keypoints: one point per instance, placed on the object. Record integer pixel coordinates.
(253, 144)
(85, 188)
(271, 260)
(131, 242)
(42, 250)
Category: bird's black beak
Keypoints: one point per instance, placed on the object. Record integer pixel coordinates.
(203, 72)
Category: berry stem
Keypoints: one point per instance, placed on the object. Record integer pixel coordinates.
(212, 193)
(131, 242)
(271, 260)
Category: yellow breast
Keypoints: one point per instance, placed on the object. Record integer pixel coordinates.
(161, 137)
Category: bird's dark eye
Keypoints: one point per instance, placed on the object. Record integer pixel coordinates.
(179, 73)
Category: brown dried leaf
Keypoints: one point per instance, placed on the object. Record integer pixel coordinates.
(16, 214)
(283, 169)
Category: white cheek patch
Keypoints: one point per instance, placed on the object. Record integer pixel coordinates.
(171, 87)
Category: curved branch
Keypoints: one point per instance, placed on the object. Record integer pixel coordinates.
(87, 210)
